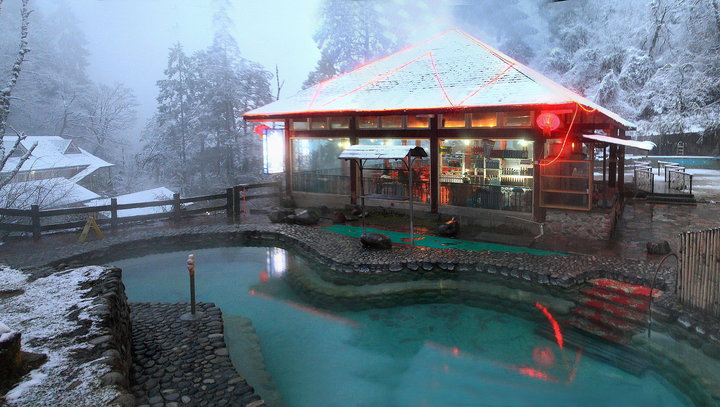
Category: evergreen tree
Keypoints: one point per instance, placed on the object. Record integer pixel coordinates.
(350, 34)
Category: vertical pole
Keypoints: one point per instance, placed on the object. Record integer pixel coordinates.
(229, 202)
(113, 214)
(434, 166)
(353, 169)
(176, 207)
(411, 161)
(288, 159)
(236, 201)
(621, 172)
(191, 270)
(612, 178)
(538, 155)
(35, 214)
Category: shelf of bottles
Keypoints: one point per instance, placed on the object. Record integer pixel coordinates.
(566, 184)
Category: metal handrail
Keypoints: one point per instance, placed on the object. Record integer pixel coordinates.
(652, 288)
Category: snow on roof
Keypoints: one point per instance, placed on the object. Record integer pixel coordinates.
(451, 70)
(148, 195)
(643, 145)
(47, 193)
(53, 152)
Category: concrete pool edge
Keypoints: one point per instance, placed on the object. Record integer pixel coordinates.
(346, 257)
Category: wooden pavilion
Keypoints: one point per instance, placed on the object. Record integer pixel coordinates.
(503, 140)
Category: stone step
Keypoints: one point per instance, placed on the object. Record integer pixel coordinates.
(614, 354)
(629, 290)
(611, 321)
(613, 297)
(671, 199)
(600, 331)
(616, 310)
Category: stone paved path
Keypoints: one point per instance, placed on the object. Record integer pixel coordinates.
(184, 363)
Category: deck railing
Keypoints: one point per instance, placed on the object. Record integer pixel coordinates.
(679, 180)
(644, 179)
(233, 201)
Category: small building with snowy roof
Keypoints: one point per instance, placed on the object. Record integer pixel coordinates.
(504, 141)
(57, 157)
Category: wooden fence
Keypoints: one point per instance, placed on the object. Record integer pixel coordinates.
(233, 201)
(699, 272)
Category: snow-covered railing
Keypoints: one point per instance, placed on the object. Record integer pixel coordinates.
(644, 179)
(679, 180)
(233, 201)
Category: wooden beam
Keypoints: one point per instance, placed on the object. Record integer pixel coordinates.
(288, 159)
(538, 152)
(353, 168)
(621, 168)
(434, 166)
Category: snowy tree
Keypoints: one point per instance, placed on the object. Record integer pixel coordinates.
(5, 99)
(350, 34)
(107, 111)
(177, 117)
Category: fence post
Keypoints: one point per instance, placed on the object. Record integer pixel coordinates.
(35, 209)
(113, 214)
(236, 200)
(229, 205)
(176, 207)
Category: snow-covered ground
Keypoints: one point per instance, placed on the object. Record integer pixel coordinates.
(42, 315)
(149, 195)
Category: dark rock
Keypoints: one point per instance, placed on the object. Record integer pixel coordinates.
(355, 210)
(659, 247)
(280, 215)
(375, 241)
(339, 217)
(306, 217)
(449, 228)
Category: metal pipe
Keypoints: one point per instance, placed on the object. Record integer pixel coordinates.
(652, 288)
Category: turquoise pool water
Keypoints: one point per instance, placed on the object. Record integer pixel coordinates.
(688, 161)
(410, 356)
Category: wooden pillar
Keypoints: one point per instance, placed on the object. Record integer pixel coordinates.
(113, 214)
(612, 166)
(288, 159)
(434, 166)
(538, 155)
(353, 167)
(621, 168)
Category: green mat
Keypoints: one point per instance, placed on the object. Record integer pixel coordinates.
(439, 242)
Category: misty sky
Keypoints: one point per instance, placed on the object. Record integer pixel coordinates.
(129, 39)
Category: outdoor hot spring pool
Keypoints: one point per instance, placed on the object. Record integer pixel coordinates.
(406, 356)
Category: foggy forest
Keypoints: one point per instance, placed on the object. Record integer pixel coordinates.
(655, 62)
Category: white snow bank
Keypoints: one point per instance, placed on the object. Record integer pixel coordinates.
(41, 314)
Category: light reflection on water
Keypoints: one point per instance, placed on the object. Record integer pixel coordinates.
(431, 354)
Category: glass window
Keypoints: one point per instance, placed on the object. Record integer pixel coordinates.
(300, 124)
(517, 119)
(367, 122)
(483, 119)
(339, 122)
(316, 167)
(318, 123)
(453, 120)
(418, 122)
(486, 173)
(391, 122)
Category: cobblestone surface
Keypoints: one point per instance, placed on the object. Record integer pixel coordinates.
(180, 362)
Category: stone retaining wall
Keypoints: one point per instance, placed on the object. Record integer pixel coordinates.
(595, 224)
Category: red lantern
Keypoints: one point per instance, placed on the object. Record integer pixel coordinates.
(548, 121)
(260, 129)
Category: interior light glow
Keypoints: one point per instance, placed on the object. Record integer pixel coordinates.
(274, 151)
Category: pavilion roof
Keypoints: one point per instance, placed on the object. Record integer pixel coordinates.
(449, 71)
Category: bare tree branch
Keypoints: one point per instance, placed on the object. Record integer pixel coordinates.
(7, 176)
(15, 71)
